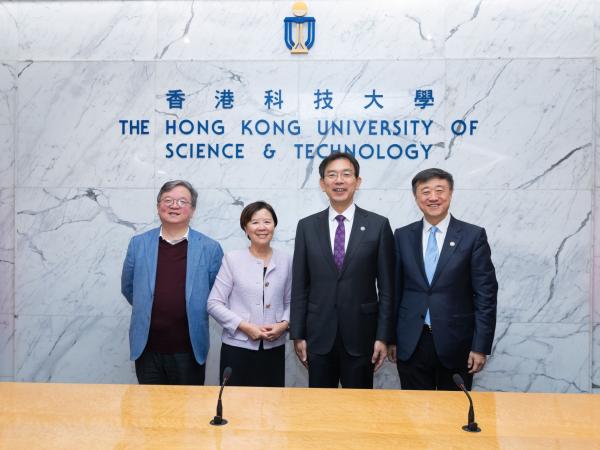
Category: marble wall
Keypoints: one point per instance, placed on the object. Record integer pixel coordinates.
(73, 190)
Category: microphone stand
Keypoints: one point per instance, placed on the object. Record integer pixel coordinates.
(471, 425)
(218, 420)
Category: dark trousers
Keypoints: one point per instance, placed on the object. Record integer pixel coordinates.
(265, 368)
(423, 370)
(169, 368)
(337, 366)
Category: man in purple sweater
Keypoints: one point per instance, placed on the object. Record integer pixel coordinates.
(167, 275)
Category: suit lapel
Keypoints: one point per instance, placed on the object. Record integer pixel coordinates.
(357, 233)
(417, 245)
(323, 237)
(451, 242)
(193, 255)
(151, 249)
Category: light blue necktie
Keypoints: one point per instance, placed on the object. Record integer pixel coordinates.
(431, 260)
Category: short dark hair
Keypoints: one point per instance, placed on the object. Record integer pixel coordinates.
(252, 209)
(338, 155)
(428, 174)
(170, 185)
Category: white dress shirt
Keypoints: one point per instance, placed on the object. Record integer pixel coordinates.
(175, 241)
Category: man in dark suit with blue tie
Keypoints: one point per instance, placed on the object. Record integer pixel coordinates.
(446, 292)
(342, 284)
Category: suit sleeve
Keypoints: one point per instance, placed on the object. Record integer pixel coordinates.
(215, 265)
(218, 299)
(127, 273)
(398, 283)
(385, 283)
(287, 295)
(300, 286)
(485, 295)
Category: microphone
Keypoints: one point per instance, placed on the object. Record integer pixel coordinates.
(471, 425)
(218, 419)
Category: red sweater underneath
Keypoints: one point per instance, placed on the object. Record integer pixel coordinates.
(169, 331)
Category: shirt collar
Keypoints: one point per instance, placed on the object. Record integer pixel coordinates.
(348, 213)
(442, 226)
(176, 241)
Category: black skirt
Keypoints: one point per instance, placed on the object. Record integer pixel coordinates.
(264, 368)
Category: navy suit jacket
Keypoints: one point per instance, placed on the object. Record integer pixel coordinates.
(358, 300)
(139, 278)
(461, 299)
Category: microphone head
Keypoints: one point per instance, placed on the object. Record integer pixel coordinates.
(227, 373)
(458, 380)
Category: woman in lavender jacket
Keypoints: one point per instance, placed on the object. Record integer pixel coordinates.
(251, 301)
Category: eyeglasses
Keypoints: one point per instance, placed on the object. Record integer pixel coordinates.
(181, 202)
(346, 175)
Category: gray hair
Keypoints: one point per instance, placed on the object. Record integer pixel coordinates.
(170, 185)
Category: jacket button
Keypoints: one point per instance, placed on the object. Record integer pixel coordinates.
(267, 284)
(422, 316)
(268, 305)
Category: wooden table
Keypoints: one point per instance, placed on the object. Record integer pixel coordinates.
(79, 416)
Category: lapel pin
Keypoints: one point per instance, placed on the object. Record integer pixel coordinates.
(362, 228)
(452, 244)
